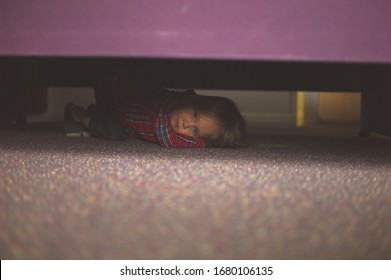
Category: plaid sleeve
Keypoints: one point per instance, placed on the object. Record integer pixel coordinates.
(167, 137)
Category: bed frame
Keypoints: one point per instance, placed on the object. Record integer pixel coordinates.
(333, 45)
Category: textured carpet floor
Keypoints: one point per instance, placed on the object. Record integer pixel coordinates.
(286, 197)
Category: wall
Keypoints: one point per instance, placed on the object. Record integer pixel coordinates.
(260, 108)
(56, 100)
(337, 107)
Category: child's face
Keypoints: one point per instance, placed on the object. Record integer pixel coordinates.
(188, 121)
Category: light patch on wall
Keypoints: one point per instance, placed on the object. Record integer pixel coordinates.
(339, 107)
(58, 98)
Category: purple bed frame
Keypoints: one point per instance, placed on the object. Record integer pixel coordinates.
(261, 30)
(249, 44)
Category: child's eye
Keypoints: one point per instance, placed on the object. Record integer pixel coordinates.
(195, 115)
(195, 132)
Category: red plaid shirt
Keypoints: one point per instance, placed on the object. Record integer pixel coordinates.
(152, 121)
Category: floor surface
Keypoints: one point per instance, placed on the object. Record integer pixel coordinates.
(284, 197)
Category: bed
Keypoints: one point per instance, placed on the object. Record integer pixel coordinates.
(333, 45)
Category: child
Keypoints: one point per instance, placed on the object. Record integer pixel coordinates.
(171, 119)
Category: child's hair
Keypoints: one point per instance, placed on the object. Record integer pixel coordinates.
(233, 127)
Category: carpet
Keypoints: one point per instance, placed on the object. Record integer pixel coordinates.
(283, 197)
